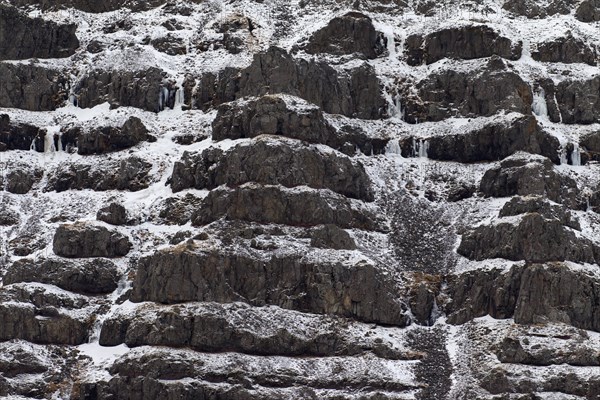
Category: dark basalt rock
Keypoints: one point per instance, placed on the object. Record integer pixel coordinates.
(491, 142)
(566, 49)
(179, 274)
(82, 240)
(91, 6)
(537, 204)
(331, 237)
(271, 204)
(533, 239)
(467, 42)
(30, 87)
(261, 161)
(107, 139)
(588, 11)
(352, 33)
(114, 214)
(22, 37)
(485, 92)
(530, 294)
(127, 174)
(177, 210)
(21, 178)
(358, 92)
(357, 89)
(170, 45)
(590, 143)
(290, 117)
(20, 136)
(23, 321)
(519, 175)
(215, 327)
(578, 101)
(141, 89)
(96, 276)
(537, 9)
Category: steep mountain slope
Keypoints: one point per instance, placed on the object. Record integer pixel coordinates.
(367, 199)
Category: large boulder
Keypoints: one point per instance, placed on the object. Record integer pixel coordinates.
(538, 204)
(81, 240)
(352, 33)
(22, 37)
(566, 49)
(272, 204)
(182, 274)
(533, 239)
(530, 175)
(90, 276)
(490, 142)
(454, 93)
(142, 89)
(261, 161)
(32, 87)
(131, 173)
(588, 11)
(466, 42)
(108, 139)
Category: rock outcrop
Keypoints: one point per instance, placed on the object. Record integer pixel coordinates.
(451, 93)
(467, 42)
(82, 240)
(22, 37)
(32, 87)
(271, 204)
(567, 49)
(90, 276)
(108, 139)
(179, 275)
(260, 161)
(352, 33)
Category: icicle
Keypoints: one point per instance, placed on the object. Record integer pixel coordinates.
(414, 148)
(49, 143)
(559, 113)
(576, 156)
(60, 146)
(563, 156)
(73, 99)
(32, 146)
(423, 148)
(393, 148)
(540, 108)
(163, 98)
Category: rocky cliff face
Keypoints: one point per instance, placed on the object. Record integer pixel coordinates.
(335, 199)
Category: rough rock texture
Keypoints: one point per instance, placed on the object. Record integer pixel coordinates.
(270, 204)
(493, 141)
(86, 240)
(32, 87)
(450, 93)
(127, 174)
(107, 139)
(141, 89)
(261, 162)
(468, 42)
(94, 276)
(22, 37)
(20, 136)
(533, 239)
(179, 275)
(346, 199)
(533, 293)
(352, 33)
(518, 175)
(567, 49)
(588, 11)
(93, 7)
